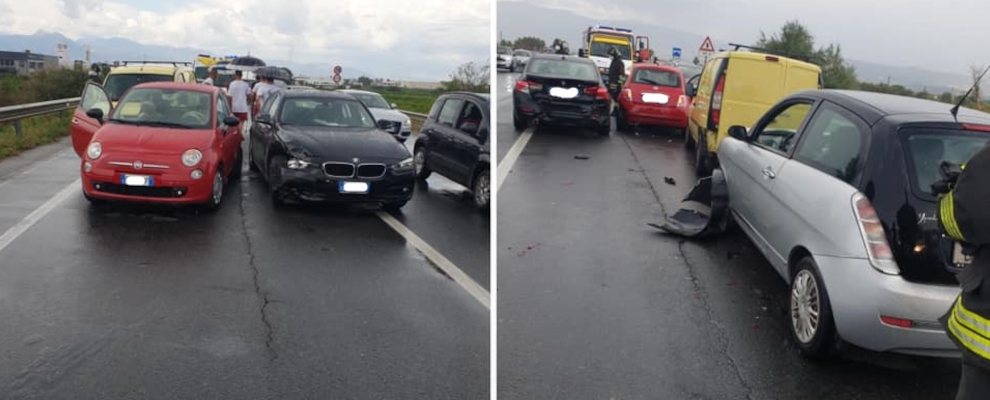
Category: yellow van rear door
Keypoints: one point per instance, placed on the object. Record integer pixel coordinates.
(800, 77)
(752, 86)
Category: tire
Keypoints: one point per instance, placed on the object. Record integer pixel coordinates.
(419, 163)
(394, 206)
(278, 197)
(481, 190)
(818, 341)
(604, 129)
(620, 120)
(251, 165)
(519, 122)
(235, 173)
(702, 165)
(216, 197)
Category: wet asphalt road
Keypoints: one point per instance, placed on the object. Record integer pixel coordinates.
(594, 304)
(247, 303)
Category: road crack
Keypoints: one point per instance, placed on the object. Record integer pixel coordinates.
(642, 171)
(721, 334)
(263, 296)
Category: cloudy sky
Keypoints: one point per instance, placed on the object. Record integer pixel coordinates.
(431, 36)
(941, 36)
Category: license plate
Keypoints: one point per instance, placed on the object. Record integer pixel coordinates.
(656, 98)
(958, 258)
(353, 187)
(564, 93)
(137, 180)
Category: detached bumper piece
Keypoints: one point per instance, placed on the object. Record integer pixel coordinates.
(141, 191)
(704, 211)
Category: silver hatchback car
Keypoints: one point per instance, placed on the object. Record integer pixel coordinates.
(835, 189)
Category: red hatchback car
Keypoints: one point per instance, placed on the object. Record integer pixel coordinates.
(653, 95)
(164, 143)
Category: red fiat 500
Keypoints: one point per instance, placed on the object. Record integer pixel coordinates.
(653, 95)
(163, 143)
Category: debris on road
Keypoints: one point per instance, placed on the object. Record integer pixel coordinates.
(581, 157)
(669, 180)
(710, 196)
(528, 248)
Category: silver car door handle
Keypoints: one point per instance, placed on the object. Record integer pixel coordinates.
(768, 173)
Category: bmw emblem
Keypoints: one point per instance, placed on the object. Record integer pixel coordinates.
(355, 160)
(138, 164)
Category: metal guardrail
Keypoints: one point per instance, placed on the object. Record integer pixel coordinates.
(16, 113)
(416, 115)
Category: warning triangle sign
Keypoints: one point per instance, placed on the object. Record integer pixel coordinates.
(707, 45)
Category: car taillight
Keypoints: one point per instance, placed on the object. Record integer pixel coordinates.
(879, 252)
(522, 86)
(717, 100)
(627, 93)
(598, 91)
(682, 101)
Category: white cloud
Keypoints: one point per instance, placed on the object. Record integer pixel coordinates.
(309, 30)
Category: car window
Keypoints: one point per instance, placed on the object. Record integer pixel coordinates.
(470, 119)
(928, 148)
(222, 110)
(449, 112)
(564, 69)
(322, 111)
(117, 84)
(176, 107)
(372, 100)
(656, 78)
(832, 143)
(93, 97)
(781, 131)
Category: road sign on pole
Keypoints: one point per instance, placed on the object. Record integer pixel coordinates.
(677, 52)
(707, 46)
(337, 70)
(336, 78)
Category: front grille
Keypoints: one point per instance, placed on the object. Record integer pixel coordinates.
(338, 169)
(371, 170)
(142, 191)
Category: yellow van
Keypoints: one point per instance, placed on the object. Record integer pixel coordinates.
(737, 88)
(132, 73)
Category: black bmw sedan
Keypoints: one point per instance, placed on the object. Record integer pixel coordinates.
(324, 146)
(564, 91)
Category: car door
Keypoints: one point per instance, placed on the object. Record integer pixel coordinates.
(228, 140)
(752, 168)
(262, 133)
(441, 156)
(815, 186)
(467, 140)
(83, 127)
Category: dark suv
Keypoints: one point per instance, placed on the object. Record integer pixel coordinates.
(453, 142)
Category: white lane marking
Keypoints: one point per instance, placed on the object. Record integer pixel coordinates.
(15, 231)
(510, 158)
(448, 267)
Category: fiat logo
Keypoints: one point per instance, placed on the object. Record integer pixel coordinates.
(138, 164)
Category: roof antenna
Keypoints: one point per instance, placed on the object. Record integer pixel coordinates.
(955, 109)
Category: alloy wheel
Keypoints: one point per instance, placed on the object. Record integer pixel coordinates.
(805, 306)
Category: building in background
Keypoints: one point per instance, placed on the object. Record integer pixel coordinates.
(26, 62)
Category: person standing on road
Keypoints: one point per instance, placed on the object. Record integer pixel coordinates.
(213, 76)
(94, 73)
(262, 90)
(964, 216)
(616, 70)
(238, 92)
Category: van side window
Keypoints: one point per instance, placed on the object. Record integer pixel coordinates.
(832, 143)
(780, 133)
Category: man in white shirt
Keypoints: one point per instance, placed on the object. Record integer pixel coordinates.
(209, 80)
(262, 90)
(238, 92)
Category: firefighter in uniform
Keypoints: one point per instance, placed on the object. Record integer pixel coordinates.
(615, 71)
(964, 215)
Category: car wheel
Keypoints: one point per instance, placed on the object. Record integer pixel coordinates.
(701, 163)
(251, 164)
(393, 206)
(519, 122)
(216, 193)
(274, 179)
(481, 190)
(812, 326)
(604, 129)
(688, 140)
(620, 120)
(419, 163)
(235, 173)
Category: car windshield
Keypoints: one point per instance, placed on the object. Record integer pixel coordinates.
(117, 84)
(372, 100)
(334, 112)
(504, 50)
(657, 78)
(600, 49)
(164, 107)
(928, 148)
(521, 53)
(557, 68)
(689, 70)
(202, 72)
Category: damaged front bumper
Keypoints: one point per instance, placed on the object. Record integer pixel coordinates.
(704, 211)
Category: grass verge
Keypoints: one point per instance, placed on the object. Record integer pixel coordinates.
(36, 131)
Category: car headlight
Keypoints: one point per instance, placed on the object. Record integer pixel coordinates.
(295, 163)
(191, 157)
(407, 123)
(94, 150)
(403, 166)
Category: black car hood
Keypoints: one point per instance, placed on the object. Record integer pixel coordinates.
(343, 144)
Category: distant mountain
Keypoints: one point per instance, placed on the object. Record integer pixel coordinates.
(120, 49)
(517, 19)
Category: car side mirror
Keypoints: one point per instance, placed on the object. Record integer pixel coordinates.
(394, 106)
(691, 90)
(385, 125)
(482, 134)
(264, 119)
(231, 121)
(739, 132)
(95, 113)
(582, 53)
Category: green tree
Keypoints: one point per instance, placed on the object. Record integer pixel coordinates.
(947, 97)
(836, 73)
(469, 77)
(530, 43)
(796, 41)
(504, 42)
(365, 81)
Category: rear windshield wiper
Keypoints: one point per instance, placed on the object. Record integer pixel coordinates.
(650, 81)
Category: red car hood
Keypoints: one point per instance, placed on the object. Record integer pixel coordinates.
(152, 140)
